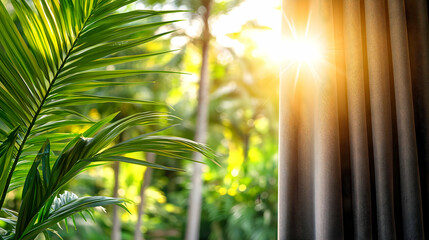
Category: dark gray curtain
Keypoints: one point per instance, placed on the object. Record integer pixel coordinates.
(354, 132)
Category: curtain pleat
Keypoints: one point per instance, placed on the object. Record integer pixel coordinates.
(354, 131)
(359, 156)
(327, 168)
(343, 119)
(408, 165)
(379, 92)
(418, 36)
(296, 201)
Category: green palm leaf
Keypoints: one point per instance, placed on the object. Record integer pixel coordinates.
(58, 54)
(6, 152)
(67, 210)
(43, 183)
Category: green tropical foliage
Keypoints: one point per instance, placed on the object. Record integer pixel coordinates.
(52, 55)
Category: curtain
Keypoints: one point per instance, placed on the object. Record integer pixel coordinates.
(354, 127)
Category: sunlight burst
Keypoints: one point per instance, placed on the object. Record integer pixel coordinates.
(302, 50)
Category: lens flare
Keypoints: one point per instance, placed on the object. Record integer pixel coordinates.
(302, 51)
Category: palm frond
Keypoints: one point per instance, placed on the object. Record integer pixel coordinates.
(55, 55)
(43, 183)
(69, 209)
(65, 198)
(6, 153)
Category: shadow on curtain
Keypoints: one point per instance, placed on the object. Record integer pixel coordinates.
(354, 128)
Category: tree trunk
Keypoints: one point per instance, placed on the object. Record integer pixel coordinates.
(194, 208)
(116, 222)
(147, 177)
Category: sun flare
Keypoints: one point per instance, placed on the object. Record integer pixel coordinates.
(302, 48)
(302, 51)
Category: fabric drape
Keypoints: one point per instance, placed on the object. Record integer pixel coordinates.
(354, 128)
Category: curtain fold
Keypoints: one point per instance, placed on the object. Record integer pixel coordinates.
(296, 197)
(418, 37)
(354, 127)
(327, 168)
(381, 119)
(359, 154)
(408, 160)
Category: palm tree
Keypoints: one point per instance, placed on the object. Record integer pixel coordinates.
(195, 197)
(58, 50)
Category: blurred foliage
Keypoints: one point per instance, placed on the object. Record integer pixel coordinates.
(240, 197)
(220, 7)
